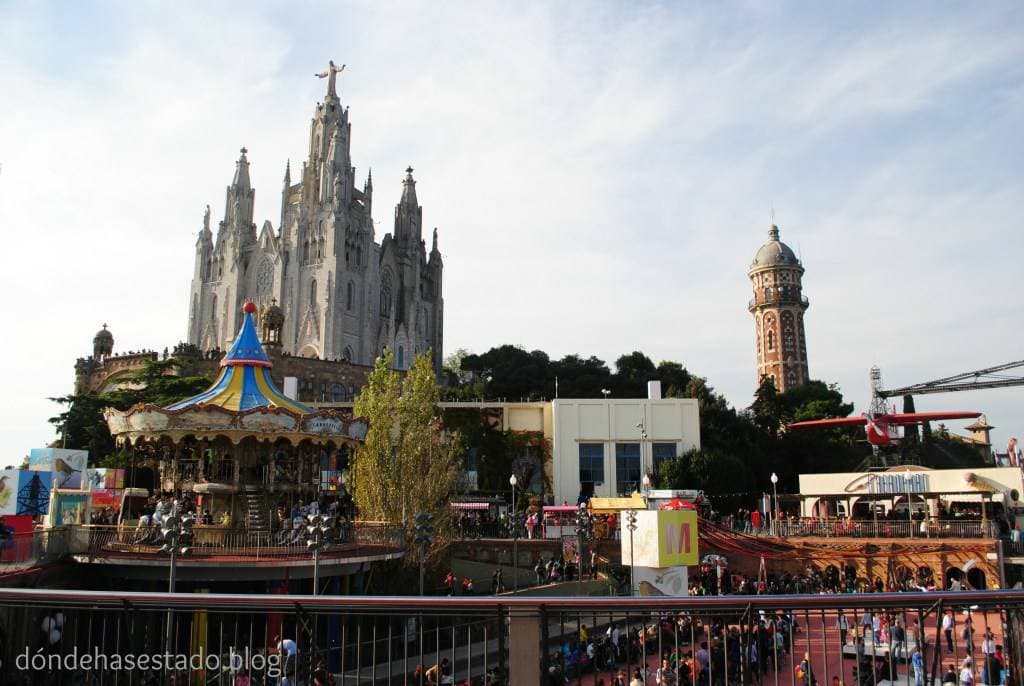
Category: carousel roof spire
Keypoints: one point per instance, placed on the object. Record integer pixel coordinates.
(244, 382)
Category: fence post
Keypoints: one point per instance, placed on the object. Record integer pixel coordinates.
(524, 641)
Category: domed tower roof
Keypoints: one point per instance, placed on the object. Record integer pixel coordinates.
(774, 253)
(103, 343)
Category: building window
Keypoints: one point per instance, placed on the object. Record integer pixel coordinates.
(312, 293)
(338, 393)
(400, 360)
(348, 296)
(591, 466)
(627, 467)
(359, 255)
(771, 340)
(347, 354)
(661, 452)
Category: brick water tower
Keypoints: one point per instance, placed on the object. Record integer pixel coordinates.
(778, 307)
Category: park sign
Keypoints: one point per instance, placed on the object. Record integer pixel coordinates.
(677, 538)
(662, 538)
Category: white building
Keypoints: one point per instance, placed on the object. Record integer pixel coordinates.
(603, 447)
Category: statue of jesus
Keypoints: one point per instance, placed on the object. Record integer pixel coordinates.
(330, 75)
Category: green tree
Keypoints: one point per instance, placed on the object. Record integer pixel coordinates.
(407, 464)
(632, 372)
(82, 426)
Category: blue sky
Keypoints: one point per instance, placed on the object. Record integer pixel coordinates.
(601, 174)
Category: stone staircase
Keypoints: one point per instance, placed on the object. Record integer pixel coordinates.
(256, 511)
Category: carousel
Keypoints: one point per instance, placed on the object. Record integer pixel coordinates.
(242, 452)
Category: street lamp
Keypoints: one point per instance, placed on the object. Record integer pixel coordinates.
(646, 483)
(631, 525)
(318, 536)
(605, 392)
(177, 533)
(512, 480)
(775, 502)
(424, 530)
(582, 528)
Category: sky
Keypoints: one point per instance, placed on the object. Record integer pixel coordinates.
(601, 174)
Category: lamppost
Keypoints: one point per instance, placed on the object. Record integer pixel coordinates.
(631, 525)
(775, 503)
(646, 483)
(643, 439)
(424, 530)
(605, 392)
(177, 533)
(582, 528)
(512, 480)
(318, 536)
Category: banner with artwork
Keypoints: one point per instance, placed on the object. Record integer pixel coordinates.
(105, 479)
(70, 509)
(68, 466)
(24, 492)
(111, 499)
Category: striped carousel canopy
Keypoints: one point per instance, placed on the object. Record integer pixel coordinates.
(244, 382)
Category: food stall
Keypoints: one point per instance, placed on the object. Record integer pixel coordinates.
(559, 520)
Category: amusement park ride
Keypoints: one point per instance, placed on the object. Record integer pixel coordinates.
(881, 422)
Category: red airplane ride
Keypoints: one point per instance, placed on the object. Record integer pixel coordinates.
(877, 426)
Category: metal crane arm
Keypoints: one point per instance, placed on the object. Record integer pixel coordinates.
(968, 381)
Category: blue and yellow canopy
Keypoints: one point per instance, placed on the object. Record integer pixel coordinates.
(244, 382)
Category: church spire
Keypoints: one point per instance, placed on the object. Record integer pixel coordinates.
(241, 180)
(409, 190)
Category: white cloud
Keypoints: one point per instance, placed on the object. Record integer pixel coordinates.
(618, 161)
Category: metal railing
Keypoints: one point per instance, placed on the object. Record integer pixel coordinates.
(33, 548)
(883, 528)
(713, 641)
(40, 547)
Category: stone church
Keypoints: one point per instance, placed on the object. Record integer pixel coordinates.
(343, 296)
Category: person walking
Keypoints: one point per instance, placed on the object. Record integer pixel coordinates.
(967, 672)
(917, 662)
(843, 624)
(948, 625)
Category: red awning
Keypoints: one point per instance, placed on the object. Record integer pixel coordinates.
(677, 504)
(469, 506)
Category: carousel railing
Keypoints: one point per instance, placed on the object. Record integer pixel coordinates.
(188, 470)
(210, 541)
(222, 471)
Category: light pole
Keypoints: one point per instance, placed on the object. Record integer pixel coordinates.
(646, 483)
(512, 480)
(177, 532)
(605, 392)
(424, 530)
(318, 537)
(582, 527)
(631, 525)
(775, 502)
(643, 438)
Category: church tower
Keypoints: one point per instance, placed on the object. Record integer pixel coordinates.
(778, 307)
(321, 282)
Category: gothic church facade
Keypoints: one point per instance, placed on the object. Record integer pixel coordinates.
(343, 295)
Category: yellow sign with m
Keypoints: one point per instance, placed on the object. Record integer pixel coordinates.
(677, 538)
